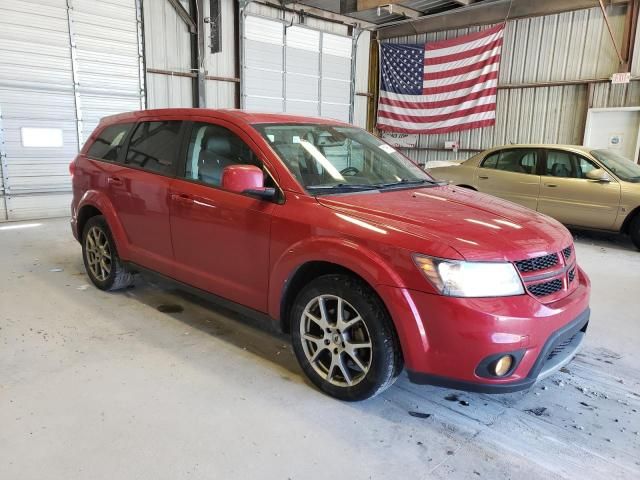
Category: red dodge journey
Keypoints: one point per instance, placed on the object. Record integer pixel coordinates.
(369, 263)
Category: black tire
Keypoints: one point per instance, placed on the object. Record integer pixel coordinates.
(118, 277)
(634, 230)
(384, 357)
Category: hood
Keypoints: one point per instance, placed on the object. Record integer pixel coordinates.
(478, 226)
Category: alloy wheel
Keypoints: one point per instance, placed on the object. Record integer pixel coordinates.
(98, 253)
(335, 340)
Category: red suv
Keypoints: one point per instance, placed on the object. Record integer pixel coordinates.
(367, 261)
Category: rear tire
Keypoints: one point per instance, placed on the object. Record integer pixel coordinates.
(352, 355)
(101, 260)
(634, 231)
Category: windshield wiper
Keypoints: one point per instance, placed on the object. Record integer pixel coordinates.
(404, 182)
(343, 186)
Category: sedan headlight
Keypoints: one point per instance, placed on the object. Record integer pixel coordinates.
(457, 278)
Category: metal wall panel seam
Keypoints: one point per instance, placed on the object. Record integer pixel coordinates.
(4, 214)
(141, 55)
(74, 74)
(352, 93)
(320, 75)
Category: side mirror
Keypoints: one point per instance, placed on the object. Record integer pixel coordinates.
(599, 175)
(247, 179)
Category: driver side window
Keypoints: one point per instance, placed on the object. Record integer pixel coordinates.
(212, 148)
(567, 165)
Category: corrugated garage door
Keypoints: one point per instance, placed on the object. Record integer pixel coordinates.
(63, 65)
(296, 69)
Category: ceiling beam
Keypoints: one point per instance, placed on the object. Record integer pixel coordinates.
(484, 14)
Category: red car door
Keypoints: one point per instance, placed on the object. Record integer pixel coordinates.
(220, 238)
(139, 190)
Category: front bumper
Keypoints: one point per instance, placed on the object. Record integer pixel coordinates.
(558, 351)
(444, 339)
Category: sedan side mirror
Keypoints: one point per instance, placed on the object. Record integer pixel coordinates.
(247, 179)
(599, 175)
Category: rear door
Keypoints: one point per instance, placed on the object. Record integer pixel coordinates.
(569, 196)
(139, 190)
(220, 238)
(511, 174)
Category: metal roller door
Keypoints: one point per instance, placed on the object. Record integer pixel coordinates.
(296, 69)
(63, 65)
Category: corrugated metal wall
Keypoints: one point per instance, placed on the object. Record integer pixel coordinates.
(63, 65)
(572, 46)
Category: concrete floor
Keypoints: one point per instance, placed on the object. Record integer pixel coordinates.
(104, 386)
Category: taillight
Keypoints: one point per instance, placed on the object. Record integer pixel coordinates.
(72, 167)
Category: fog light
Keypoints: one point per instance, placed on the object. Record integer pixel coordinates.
(503, 365)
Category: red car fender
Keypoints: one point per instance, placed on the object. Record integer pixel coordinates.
(101, 201)
(361, 260)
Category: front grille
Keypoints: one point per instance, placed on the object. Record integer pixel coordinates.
(545, 288)
(557, 349)
(567, 252)
(572, 274)
(538, 263)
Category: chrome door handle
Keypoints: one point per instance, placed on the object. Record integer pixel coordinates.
(114, 181)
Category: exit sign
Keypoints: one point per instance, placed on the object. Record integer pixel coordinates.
(621, 77)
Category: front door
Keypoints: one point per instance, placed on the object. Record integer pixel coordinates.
(220, 238)
(139, 190)
(567, 195)
(511, 174)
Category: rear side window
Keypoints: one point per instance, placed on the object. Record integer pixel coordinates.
(154, 145)
(109, 142)
(518, 160)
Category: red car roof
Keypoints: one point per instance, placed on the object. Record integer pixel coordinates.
(236, 115)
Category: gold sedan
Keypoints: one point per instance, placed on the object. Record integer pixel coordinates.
(579, 186)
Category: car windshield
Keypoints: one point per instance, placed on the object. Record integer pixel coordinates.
(621, 167)
(332, 159)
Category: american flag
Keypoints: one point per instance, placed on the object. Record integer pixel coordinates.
(440, 87)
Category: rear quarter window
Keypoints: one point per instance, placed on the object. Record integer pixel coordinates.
(153, 146)
(109, 142)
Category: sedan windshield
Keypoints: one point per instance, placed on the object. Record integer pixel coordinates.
(331, 159)
(621, 167)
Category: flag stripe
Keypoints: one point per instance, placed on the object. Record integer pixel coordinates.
(411, 110)
(489, 64)
(452, 122)
(490, 107)
(435, 130)
(472, 52)
(476, 39)
(463, 62)
(466, 83)
(457, 96)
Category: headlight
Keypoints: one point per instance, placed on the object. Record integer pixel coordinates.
(470, 279)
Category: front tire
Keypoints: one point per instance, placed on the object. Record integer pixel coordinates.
(344, 339)
(101, 260)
